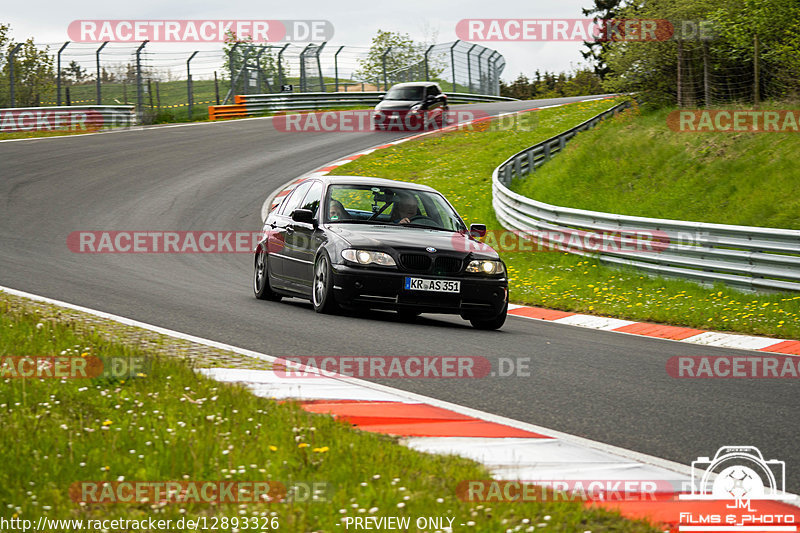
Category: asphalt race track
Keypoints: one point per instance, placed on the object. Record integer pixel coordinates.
(604, 386)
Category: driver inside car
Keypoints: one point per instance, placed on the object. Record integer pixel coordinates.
(336, 211)
(405, 208)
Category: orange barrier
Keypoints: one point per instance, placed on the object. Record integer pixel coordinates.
(216, 112)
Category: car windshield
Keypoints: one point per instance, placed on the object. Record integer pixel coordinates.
(404, 93)
(369, 204)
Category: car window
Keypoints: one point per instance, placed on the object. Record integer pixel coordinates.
(433, 90)
(404, 93)
(390, 205)
(313, 197)
(294, 199)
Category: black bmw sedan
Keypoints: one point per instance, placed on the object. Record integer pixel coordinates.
(357, 242)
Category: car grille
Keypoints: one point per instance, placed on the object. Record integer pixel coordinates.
(447, 265)
(416, 262)
(422, 263)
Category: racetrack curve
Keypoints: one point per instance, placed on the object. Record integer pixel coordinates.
(604, 386)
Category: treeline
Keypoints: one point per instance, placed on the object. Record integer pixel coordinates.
(552, 85)
(749, 51)
(33, 70)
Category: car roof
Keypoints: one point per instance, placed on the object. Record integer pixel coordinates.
(366, 180)
(415, 84)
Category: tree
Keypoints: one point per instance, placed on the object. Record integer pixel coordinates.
(597, 50)
(650, 69)
(549, 85)
(33, 71)
(404, 53)
(246, 53)
(75, 73)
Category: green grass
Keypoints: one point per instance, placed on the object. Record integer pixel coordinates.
(460, 165)
(636, 165)
(169, 423)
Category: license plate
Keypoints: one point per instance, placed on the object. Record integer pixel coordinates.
(433, 285)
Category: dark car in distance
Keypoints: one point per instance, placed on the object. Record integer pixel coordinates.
(416, 106)
(370, 243)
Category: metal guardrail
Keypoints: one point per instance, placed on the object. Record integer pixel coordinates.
(747, 257)
(95, 117)
(256, 104)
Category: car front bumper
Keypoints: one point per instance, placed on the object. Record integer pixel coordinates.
(384, 289)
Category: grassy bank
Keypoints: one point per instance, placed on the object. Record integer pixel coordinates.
(460, 165)
(636, 165)
(168, 423)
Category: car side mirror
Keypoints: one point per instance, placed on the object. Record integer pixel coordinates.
(477, 230)
(303, 215)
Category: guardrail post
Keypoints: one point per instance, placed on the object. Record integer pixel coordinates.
(258, 70)
(189, 82)
(336, 68)
(281, 78)
(469, 67)
(531, 162)
(427, 70)
(58, 74)
(97, 58)
(319, 67)
(11, 55)
(480, 76)
(303, 68)
(383, 61)
(231, 66)
(493, 78)
(139, 96)
(453, 62)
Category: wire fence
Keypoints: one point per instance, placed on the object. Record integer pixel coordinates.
(166, 83)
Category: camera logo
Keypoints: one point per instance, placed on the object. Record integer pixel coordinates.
(737, 473)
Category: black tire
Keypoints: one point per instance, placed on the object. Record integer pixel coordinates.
(261, 286)
(322, 286)
(492, 323)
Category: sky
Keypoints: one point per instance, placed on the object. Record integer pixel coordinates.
(355, 21)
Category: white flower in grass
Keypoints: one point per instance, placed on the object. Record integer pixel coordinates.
(373, 510)
(401, 505)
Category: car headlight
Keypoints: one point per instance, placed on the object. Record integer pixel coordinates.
(416, 108)
(485, 266)
(367, 257)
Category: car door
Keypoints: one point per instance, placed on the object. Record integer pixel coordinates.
(281, 229)
(303, 241)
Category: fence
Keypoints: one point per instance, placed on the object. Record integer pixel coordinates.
(75, 118)
(173, 83)
(747, 257)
